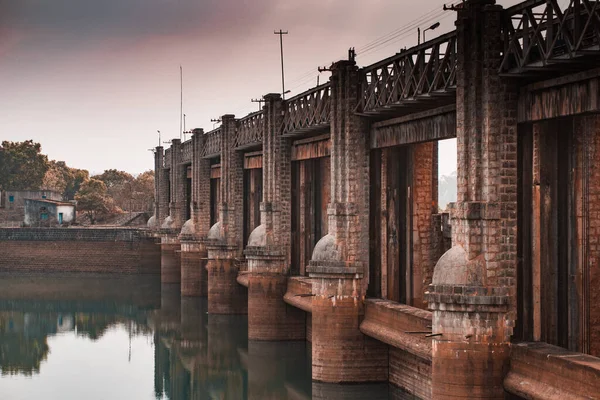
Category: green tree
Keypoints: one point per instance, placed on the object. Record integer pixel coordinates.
(22, 165)
(92, 199)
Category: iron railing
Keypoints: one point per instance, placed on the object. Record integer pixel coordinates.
(426, 70)
(249, 130)
(541, 33)
(167, 158)
(187, 151)
(308, 110)
(212, 144)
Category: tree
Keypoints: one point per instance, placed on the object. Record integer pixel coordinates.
(143, 192)
(92, 198)
(63, 179)
(113, 178)
(22, 166)
(119, 186)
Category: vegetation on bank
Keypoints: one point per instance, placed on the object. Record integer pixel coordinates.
(23, 166)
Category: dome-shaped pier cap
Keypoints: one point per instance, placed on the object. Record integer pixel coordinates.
(152, 222)
(326, 250)
(258, 237)
(189, 228)
(167, 223)
(455, 269)
(215, 232)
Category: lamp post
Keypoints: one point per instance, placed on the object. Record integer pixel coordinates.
(432, 27)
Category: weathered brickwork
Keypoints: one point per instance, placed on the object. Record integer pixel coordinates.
(194, 276)
(483, 259)
(339, 265)
(591, 151)
(170, 260)
(224, 294)
(125, 251)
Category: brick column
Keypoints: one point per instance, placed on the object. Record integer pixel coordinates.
(177, 179)
(170, 270)
(224, 242)
(161, 201)
(339, 265)
(269, 246)
(194, 276)
(473, 283)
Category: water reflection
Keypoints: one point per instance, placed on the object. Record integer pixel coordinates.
(53, 329)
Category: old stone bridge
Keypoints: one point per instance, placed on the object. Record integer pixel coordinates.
(318, 215)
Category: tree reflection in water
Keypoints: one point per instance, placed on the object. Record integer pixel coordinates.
(196, 355)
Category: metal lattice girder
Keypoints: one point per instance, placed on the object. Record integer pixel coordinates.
(167, 158)
(541, 34)
(249, 130)
(187, 150)
(421, 72)
(308, 110)
(212, 144)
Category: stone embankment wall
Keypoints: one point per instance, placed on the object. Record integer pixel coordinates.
(125, 251)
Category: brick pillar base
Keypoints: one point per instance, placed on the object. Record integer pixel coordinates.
(170, 260)
(470, 353)
(269, 317)
(340, 352)
(225, 294)
(194, 276)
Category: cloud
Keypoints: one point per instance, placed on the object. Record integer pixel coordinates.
(127, 19)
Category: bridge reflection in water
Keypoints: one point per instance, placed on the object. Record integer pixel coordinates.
(196, 355)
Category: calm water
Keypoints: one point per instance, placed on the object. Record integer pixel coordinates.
(98, 337)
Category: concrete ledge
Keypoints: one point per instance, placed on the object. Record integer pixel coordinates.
(242, 278)
(298, 289)
(543, 371)
(399, 326)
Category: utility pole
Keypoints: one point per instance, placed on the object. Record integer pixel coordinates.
(281, 33)
(181, 103)
(259, 101)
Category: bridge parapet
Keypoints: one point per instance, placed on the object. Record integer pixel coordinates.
(249, 131)
(427, 71)
(187, 151)
(168, 157)
(543, 35)
(212, 144)
(308, 111)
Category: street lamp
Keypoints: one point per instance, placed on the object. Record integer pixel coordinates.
(432, 27)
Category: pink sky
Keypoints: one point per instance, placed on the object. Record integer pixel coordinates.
(93, 81)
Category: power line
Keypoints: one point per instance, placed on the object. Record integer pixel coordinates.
(378, 42)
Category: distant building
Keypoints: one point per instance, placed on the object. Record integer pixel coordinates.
(15, 199)
(48, 212)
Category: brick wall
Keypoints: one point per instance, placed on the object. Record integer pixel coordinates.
(593, 245)
(126, 251)
(424, 199)
(232, 186)
(201, 186)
